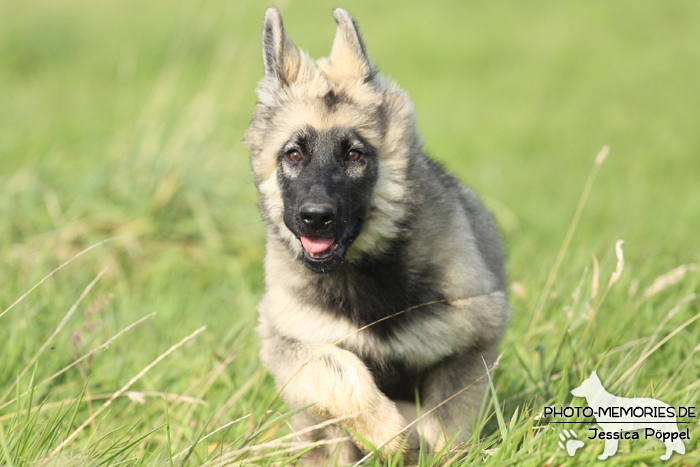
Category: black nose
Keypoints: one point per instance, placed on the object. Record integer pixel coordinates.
(317, 216)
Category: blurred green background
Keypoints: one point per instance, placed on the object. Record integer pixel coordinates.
(125, 118)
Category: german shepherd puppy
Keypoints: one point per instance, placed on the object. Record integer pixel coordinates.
(361, 225)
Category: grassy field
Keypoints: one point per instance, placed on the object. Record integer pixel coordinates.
(125, 119)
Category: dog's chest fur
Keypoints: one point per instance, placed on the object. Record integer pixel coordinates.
(378, 287)
(368, 293)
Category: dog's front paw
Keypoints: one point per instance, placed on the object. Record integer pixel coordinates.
(384, 428)
(411, 448)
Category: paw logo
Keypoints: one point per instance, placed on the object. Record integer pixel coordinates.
(572, 445)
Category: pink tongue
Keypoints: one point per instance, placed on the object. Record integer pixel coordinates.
(316, 244)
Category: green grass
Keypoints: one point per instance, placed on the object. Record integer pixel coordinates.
(125, 119)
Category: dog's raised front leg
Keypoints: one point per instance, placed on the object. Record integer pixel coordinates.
(338, 384)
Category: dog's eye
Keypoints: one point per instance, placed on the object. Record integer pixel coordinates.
(294, 155)
(354, 155)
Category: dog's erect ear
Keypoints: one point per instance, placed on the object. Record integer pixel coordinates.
(280, 55)
(348, 56)
(594, 375)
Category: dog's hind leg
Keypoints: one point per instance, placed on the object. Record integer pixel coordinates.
(672, 445)
(675, 445)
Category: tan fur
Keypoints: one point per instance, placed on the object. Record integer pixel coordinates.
(317, 357)
(343, 389)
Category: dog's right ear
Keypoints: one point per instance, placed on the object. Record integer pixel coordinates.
(280, 55)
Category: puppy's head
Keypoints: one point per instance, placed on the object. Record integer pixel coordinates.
(330, 142)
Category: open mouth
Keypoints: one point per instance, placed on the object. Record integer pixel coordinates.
(324, 254)
(319, 248)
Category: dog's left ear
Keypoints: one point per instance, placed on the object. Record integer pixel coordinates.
(348, 56)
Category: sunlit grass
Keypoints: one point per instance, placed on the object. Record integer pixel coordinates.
(125, 119)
